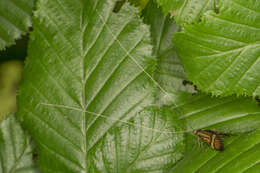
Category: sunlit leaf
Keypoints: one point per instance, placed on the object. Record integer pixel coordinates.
(220, 54)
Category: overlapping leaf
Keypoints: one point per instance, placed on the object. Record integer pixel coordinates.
(15, 148)
(15, 20)
(84, 79)
(169, 71)
(238, 116)
(221, 53)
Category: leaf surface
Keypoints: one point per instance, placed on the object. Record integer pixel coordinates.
(220, 54)
(239, 117)
(169, 72)
(15, 20)
(241, 155)
(87, 70)
(15, 148)
(187, 11)
(146, 144)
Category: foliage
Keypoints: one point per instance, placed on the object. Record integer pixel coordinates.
(15, 148)
(104, 89)
(187, 11)
(15, 19)
(220, 54)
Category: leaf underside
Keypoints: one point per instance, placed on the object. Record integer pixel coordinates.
(220, 54)
(15, 148)
(15, 20)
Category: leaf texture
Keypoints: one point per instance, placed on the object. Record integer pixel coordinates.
(187, 11)
(169, 72)
(241, 155)
(133, 148)
(228, 114)
(140, 3)
(15, 148)
(239, 117)
(87, 69)
(15, 20)
(220, 54)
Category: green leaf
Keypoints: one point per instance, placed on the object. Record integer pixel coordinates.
(87, 70)
(133, 148)
(238, 116)
(15, 148)
(241, 155)
(228, 114)
(169, 71)
(187, 11)
(167, 5)
(15, 20)
(140, 3)
(221, 53)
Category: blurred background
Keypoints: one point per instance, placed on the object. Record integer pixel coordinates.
(11, 68)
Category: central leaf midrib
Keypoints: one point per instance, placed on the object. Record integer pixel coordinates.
(102, 56)
(105, 82)
(83, 100)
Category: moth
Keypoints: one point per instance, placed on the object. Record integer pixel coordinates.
(212, 138)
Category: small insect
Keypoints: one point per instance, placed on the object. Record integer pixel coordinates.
(212, 138)
(258, 100)
(35, 156)
(186, 82)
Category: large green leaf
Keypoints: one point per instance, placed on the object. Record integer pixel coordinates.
(221, 53)
(15, 20)
(89, 69)
(187, 11)
(15, 148)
